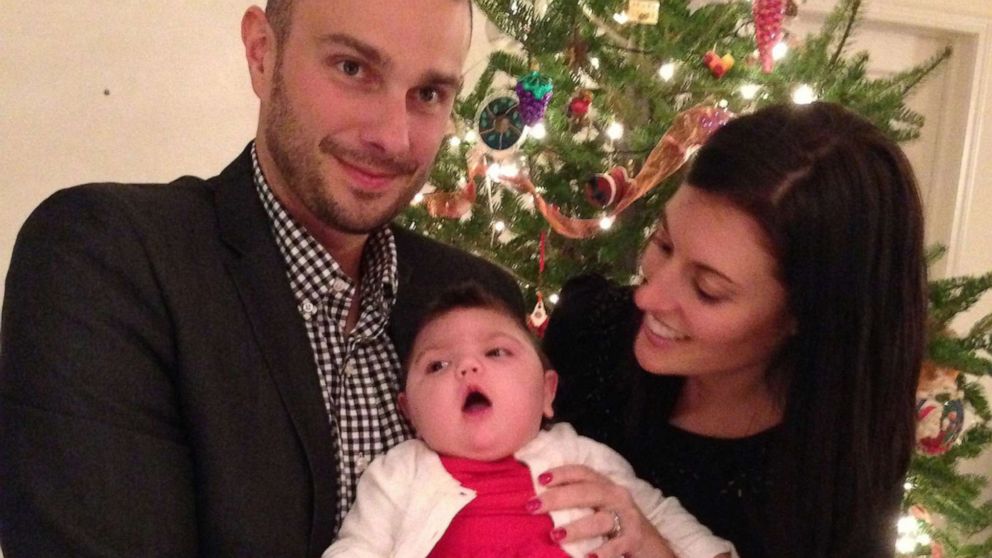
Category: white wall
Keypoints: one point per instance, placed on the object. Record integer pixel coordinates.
(131, 90)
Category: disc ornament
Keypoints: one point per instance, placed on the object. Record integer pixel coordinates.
(499, 122)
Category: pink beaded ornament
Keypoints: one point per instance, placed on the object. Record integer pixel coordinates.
(768, 16)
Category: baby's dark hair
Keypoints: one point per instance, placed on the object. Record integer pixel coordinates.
(465, 296)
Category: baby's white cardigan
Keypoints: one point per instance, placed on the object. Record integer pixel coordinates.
(406, 500)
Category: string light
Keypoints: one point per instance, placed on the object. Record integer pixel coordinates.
(907, 524)
(780, 50)
(749, 90)
(499, 226)
(509, 170)
(667, 71)
(621, 17)
(723, 103)
(905, 545)
(803, 95)
(606, 223)
(910, 535)
(594, 62)
(494, 171)
(454, 141)
(537, 131)
(470, 136)
(553, 299)
(614, 131)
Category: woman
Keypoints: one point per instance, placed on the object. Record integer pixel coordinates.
(764, 372)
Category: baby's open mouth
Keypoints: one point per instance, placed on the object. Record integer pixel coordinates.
(475, 402)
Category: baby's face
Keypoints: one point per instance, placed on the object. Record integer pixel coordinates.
(476, 387)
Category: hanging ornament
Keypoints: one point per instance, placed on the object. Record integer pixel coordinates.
(576, 52)
(604, 189)
(767, 29)
(499, 122)
(578, 107)
(534, 92)
(718, 65)
(643, 11)
(939, 410)
(537, 320)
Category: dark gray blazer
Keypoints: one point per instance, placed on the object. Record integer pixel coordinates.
(158, 394)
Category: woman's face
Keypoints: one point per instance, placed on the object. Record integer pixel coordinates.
(712, 302)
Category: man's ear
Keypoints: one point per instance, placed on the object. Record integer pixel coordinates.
(550, 388)
(260, 50)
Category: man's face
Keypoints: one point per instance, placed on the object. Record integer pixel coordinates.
(358, 103)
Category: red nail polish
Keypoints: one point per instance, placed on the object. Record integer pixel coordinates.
(533, 505)
(544, 478)
(557, 534)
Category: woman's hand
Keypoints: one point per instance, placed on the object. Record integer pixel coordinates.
(616, 517)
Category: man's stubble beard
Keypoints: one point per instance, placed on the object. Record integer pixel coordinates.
(300, 169)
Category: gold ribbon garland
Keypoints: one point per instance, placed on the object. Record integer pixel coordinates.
(689, 130)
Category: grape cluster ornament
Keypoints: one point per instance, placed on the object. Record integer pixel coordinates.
(534, 92)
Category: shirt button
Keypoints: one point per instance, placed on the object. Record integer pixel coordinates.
(339, 285)
(350, 369)
(308, 308)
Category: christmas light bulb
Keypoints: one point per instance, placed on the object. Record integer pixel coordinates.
(454, 141)
(614, 131)
(803, 95)
(494, 170)
(749, 90)
(594, 62)
(667, 71)
(907, 524)
(499, 226)
(907, 486)
(780, 50)
(417, 198)
(606, 223)
(471, 136)
(510, 170)
(923, 539)
(905, 545)
(723, 103)
(553, 299)
(537, 131)
(621, 17)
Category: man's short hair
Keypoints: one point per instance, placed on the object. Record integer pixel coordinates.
(280, 14)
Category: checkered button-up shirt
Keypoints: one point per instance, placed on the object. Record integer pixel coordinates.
(357, 370)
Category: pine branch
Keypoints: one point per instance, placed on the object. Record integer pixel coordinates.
(853, 8)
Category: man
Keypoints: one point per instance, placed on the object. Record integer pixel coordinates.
(204, 368)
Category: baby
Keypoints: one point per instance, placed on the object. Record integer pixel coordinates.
(477, 390)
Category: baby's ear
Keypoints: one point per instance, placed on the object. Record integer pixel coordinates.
(550, 388)
(402, 404)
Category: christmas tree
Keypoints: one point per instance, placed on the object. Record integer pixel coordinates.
(570, 142)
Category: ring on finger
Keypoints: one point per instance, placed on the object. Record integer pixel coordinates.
(617, 526)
